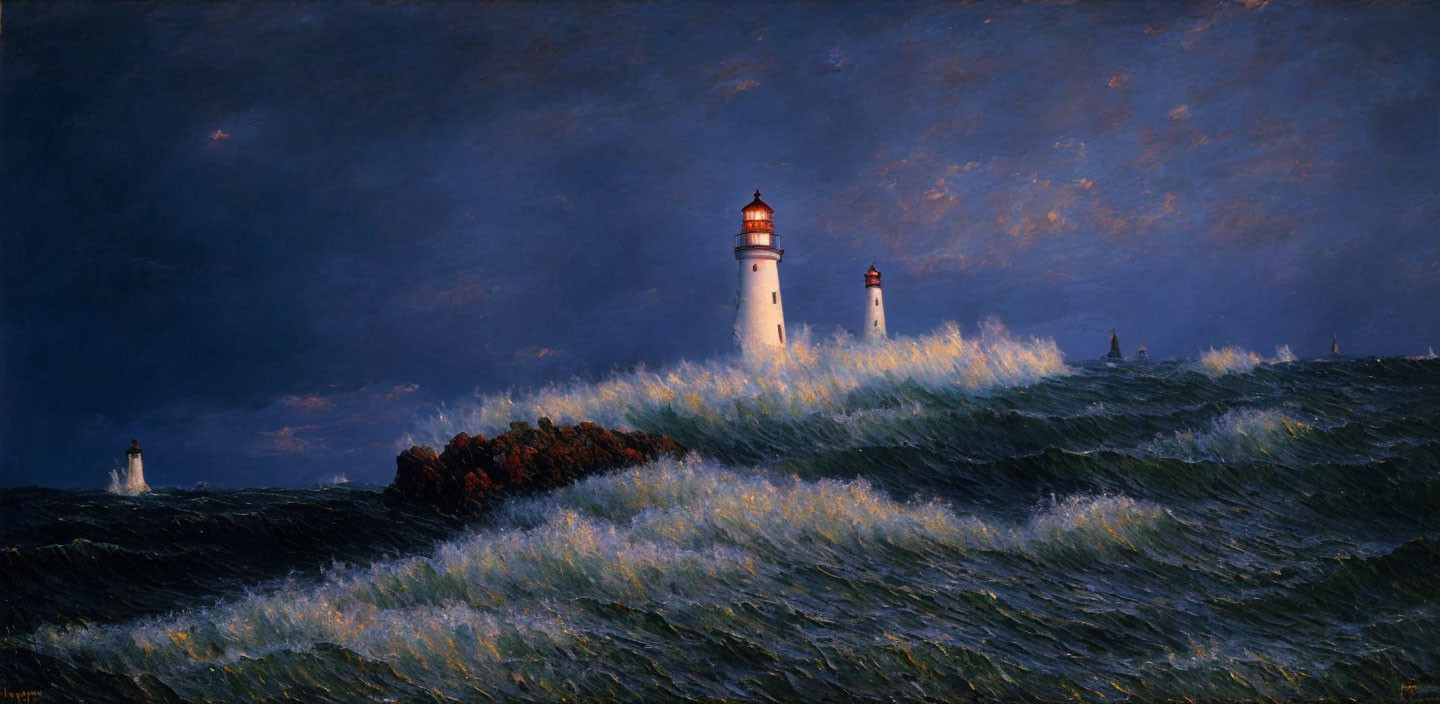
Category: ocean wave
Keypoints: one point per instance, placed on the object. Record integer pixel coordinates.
(1232, 359)
(71, 556)
(644, 566)
(1211, 534)
(1238, 435)
(808, 378)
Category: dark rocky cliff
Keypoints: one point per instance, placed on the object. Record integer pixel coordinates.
(472, 471)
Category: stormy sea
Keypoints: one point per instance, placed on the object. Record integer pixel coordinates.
(950, 517)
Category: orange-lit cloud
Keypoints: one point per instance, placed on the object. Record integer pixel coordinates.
(529, 354)
(736, 76)
(1250, 222)
(1043, 208)
(311, 402)
(940, 261)
(398, 391)
(470, 288)
(284, 441)
(1117, 225)
(740, 86)
(1070, 149)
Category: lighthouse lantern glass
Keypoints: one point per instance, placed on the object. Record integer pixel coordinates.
(757, 226)
(755, 239)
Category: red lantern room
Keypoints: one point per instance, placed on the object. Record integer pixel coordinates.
(757, 227)
(757, 217)
(872, 278)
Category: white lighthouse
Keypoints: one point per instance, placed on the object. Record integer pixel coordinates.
(133, 483)
(874, 306)
(759, 313)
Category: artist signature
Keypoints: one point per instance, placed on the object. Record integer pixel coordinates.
(24, 696)
(1419, 693)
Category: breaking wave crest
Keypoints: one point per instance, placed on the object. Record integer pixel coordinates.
(1239, 435)
(1127, 532)
(1234, 359)
(751, 571)
(810, 377)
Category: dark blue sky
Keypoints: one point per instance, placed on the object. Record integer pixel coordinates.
(264, 237)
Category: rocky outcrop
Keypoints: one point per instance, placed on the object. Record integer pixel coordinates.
(472, 471)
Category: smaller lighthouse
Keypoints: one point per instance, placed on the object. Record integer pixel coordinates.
(874, 306)
(134, 472)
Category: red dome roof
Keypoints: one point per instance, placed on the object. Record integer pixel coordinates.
(757, 205)
(757, 217)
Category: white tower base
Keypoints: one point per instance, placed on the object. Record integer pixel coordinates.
(874, 314)
(133, 483)
(135, 476)
(759, 310)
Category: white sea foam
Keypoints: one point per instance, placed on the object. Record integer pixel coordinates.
(121, 485)
(1242, 434)
(559, 583)
(1234, 359)
(809, 377)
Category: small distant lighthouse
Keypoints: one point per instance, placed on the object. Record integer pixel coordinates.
(134, 471)
(874, 306)
(759, 313)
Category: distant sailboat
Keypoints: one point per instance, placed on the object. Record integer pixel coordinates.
(1334, 346)
(1114, 347)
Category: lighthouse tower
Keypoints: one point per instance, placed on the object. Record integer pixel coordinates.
(759, 313)
(134, 471)
(874, 306)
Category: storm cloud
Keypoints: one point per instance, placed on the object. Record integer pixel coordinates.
(264, 237)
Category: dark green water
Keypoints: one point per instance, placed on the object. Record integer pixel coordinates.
(1126, 532)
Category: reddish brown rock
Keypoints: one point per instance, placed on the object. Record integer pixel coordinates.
(472, 471)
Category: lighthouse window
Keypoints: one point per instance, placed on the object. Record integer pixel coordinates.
(775, 297)
(875, 324)
(781, 330)
(877, 303)
(754, 267)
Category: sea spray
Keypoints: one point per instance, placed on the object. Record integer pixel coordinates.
(1122, 533)
(660, 564)
(809, 377)
(1238, 435)
(122, 485)
(1232, 359)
